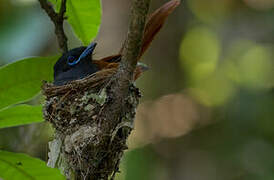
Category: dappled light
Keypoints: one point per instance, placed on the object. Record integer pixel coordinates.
(170, 116)
(260, 4)
(200, 51)
(211, 11)
(250, 65)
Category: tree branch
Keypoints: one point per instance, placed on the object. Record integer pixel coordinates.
(132, 47)
(58, 20)
(119, 86)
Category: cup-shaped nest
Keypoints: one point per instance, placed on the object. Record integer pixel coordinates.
(82, 144)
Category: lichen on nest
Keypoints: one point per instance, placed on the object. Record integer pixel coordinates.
(74, 110)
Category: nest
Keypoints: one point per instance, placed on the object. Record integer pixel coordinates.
(82, 148)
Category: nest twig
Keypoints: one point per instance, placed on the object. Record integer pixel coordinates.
(95, 80)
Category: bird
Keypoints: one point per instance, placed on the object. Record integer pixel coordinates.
(75, 64)
(78, 63)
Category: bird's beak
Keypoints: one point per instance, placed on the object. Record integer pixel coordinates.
(87, 51)
(140, 69)
(143, 67)
(84, 54)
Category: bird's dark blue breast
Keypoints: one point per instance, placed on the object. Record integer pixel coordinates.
(63, 73)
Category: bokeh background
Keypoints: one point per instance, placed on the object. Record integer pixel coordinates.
(207, 111)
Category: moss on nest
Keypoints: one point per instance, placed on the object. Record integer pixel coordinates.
(81, 147)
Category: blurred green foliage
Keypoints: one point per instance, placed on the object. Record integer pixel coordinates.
(212, 11)
(215, 80)
(251, 65)
(227, 63)
(200, 51)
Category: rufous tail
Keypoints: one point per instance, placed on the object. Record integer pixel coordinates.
(154, 23)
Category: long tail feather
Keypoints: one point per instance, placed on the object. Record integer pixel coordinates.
(154, 23)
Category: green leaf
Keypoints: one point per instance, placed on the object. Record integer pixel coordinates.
(20, 115)
(17, 166)
(56, 4)
(85, 17)
(21, 80)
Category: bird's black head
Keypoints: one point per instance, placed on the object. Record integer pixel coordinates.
(75, 64)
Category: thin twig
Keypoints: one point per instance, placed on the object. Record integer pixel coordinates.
(58, 20)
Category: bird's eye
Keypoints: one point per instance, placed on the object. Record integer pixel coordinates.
(71, 60)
